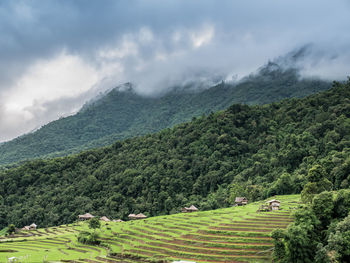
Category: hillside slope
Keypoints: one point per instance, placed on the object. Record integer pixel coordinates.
(235, 234)
(122, 114)
(252, 151)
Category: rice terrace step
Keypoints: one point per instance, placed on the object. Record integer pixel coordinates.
(235, 234)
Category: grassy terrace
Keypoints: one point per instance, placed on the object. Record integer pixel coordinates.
(237, 234)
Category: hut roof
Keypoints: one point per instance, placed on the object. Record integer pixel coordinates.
(104, 218)
(33, 225)
(273, 201)
(131, 215)
(87, 215)
(240, 199)
(140, 216)
(193, 208)
(26, 228)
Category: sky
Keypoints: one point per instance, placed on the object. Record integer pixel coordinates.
(57, 54)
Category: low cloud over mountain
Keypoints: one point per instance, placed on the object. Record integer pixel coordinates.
(55, 55)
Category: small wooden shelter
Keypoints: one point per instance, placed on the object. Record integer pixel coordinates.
(190, 209)
(138, 216)
(25, 228)
(274, 204)
(86, 216)
(131, 216)
(33, 226)
(241, 201)
(104, 218)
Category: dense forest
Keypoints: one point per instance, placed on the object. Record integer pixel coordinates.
(320, 232)
(255, 151)
(122, 113)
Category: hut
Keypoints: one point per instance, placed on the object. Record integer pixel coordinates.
(86, 216)
(33, 227)
(274, 204)
(25, 228)
(190, 209)
(104, 218)
(241, 201)
(132, 216)
(140, 216)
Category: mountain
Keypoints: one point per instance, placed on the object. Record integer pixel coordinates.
(252, 151)
(122, 113)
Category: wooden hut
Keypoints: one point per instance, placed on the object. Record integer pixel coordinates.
(132, 216)
(190, 209)
(25, 228)
(241, 201)
(104, 218)
(33, 226)
(86, 216)
(274, 204)
(140, 216)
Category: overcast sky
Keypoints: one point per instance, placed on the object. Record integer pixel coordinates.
(55, 55)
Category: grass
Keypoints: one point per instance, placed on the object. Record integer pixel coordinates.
(236, 234)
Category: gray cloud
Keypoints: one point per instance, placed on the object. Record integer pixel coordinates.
(154, 44)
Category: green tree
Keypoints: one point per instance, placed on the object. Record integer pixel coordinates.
(94, 223)
(11, 229)
(323, 205)
(322, 255)
(339, 242)
(279, 252)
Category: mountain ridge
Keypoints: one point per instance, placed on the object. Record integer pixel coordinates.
(122, 113)
(252, 151)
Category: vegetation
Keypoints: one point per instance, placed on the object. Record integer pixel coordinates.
(94, 223)
(235, 234)
(122, 113)
(11, 229)
(266, 150)
(320, 232)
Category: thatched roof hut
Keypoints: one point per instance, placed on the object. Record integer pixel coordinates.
(86, 216)
(140, 216)
(25, 228)
(241, 201)
(131, 216)
(192, 208)
(104, 218)
(33, 226)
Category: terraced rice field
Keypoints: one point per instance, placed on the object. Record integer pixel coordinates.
(236, 234)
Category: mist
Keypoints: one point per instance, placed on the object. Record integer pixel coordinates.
(56, 55)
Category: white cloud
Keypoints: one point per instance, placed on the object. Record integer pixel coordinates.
(63, 76)
(203, 36)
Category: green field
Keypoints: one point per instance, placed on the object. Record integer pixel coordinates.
(236, 234)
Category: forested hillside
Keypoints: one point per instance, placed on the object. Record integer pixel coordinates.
(123, 113)
(255, 151)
